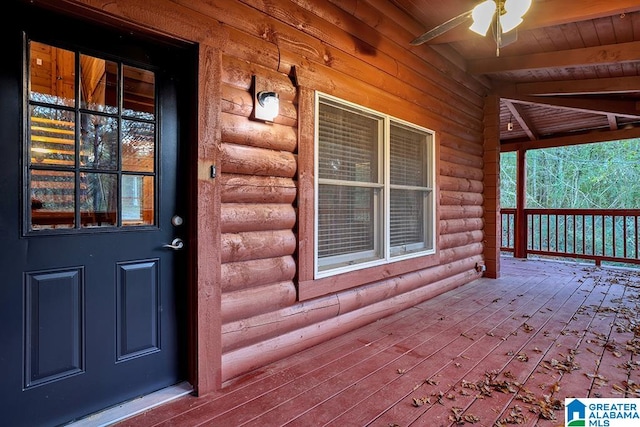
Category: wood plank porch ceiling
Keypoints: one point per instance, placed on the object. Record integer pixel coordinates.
(572, 76)
(490, 353)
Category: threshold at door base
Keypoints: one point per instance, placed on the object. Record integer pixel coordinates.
(128, 409)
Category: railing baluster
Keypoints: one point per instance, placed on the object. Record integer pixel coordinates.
(584, 241)
(508, 230)
(575, 230)
(566, 249)
(604, 238)
(556, 234)
(593, 234)
(613, 236)
(624, 236)
(540, 231)
(512, 225)
(637, 245)
(530, 225)
(549, 232)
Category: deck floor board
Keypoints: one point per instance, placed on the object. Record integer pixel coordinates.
(443, 342)
(507, 350)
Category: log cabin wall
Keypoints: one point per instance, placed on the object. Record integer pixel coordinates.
(255, 219)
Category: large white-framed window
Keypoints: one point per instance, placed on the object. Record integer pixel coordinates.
(374, 188)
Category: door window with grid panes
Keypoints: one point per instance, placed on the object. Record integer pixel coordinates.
(91, 159)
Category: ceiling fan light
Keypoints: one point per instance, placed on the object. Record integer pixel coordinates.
(509, 21)
(515, 9)
(482, 16)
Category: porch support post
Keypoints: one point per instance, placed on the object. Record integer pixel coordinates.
(206, 322)
(491, 183)
(520, 237)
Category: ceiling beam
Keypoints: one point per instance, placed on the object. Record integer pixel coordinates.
(596, 55)
(579, 87)
(584, 138)
(518, 113)
(545, 13)
(621, 108)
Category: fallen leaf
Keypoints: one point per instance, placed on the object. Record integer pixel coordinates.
(419, 401)
(470, 418)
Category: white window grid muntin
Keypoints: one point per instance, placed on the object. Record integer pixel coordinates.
(358, 261)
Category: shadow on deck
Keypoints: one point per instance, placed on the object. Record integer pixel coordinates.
(490, 353)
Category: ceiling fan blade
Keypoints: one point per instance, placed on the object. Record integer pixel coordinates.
(508, 38)
(442, 28)
(505, 38)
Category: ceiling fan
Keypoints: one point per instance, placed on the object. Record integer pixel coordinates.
(503, 16)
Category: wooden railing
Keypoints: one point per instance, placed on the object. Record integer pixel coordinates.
(507, 236)
(589, 234)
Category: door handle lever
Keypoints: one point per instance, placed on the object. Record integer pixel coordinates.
(175, 244)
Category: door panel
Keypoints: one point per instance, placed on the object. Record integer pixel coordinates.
(137, 308)
(54, 323)
(90, 311)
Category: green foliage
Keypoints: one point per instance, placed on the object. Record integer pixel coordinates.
(508, 162)
(601, 175)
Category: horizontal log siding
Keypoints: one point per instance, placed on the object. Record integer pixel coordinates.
(247, 358)
(251, 152)
(358, 54)
(260, 167)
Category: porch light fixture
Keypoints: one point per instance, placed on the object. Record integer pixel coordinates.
(266, 104)
(510, 13)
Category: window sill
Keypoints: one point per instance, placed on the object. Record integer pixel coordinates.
(329, 285)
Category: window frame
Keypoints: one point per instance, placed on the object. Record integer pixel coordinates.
(340, 264)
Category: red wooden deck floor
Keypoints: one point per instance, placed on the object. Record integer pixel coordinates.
(491, 353)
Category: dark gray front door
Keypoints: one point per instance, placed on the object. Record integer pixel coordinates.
(92, 295)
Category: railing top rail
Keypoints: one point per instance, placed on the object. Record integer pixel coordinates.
(554, 211)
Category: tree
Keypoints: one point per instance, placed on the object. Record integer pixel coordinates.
(600, 175)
